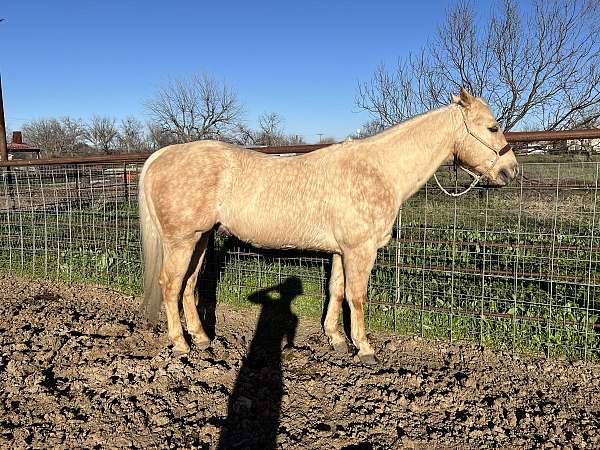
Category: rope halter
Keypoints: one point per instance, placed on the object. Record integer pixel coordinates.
(476, 177)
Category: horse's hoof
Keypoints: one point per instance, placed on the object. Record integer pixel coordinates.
(180, 347)
(368, 360)
(201, 345)
(178, 353)
(340, 347)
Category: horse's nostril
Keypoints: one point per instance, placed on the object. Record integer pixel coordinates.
(505, 175)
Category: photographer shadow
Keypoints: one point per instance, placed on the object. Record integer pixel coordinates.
(253, 413)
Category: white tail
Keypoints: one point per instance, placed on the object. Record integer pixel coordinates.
(152, 250)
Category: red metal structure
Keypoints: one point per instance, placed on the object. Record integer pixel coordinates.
(514, 137)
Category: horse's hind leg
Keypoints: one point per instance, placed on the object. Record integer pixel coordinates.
(358, 263)
(194, 325)
(336, 297)
(177, 255)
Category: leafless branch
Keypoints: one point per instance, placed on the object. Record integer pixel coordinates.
(63, 136)
(102, 133)
(132, 136)
(536, 68)
(195, 108)
(270, 132)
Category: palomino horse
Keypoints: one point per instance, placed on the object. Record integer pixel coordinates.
(342, 199)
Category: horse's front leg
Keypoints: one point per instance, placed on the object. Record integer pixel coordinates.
(336, 297)
(358, 263)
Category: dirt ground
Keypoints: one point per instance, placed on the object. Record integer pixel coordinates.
(76, 370)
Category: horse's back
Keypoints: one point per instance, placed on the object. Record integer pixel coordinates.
(302, 201)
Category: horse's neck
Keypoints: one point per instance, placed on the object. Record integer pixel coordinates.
(411, 152)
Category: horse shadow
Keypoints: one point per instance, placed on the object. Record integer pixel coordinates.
(253, 412)
(214, 265)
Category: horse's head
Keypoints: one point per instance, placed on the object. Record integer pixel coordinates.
(482, 146)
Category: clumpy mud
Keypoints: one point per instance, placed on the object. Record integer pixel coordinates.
(78, 370)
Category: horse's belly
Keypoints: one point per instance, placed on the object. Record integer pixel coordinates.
(278, 215)
(272, 234)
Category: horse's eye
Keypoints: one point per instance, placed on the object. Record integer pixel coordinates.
(493, 129)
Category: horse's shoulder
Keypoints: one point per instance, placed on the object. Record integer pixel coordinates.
(368, 180)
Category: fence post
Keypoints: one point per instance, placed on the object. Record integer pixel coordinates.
(547, 343)
(3, 147)
(397, 296)
(126, 181)
(77, 186)
(590, 268)
(10, 181)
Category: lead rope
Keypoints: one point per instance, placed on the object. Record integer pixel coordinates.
(476, 177)
(474, 183)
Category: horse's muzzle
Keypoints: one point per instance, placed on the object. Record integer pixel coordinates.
(506, 174)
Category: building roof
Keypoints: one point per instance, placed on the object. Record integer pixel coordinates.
(21, 148)
(18, 146)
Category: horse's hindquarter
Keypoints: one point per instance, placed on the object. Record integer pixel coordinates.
(184, 181)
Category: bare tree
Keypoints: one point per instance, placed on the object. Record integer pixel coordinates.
(270, 129)
(294, 139)
(55, 136)
(243, 135)
(158, 137)
(327, 140)
(370, 128)
(131, 136)
(195, 108)
(537, 67)
(102, 133)
(270, 132)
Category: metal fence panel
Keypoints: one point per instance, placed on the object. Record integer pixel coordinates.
(514, 268)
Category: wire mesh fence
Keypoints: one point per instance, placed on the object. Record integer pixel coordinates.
(72, 222)
(515, 268)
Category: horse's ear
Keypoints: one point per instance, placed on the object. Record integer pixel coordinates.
(465, 98)
(454, 99)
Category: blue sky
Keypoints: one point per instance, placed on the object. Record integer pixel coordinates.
(302, 59)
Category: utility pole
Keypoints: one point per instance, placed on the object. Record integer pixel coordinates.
(320, 137)
(3, 149)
